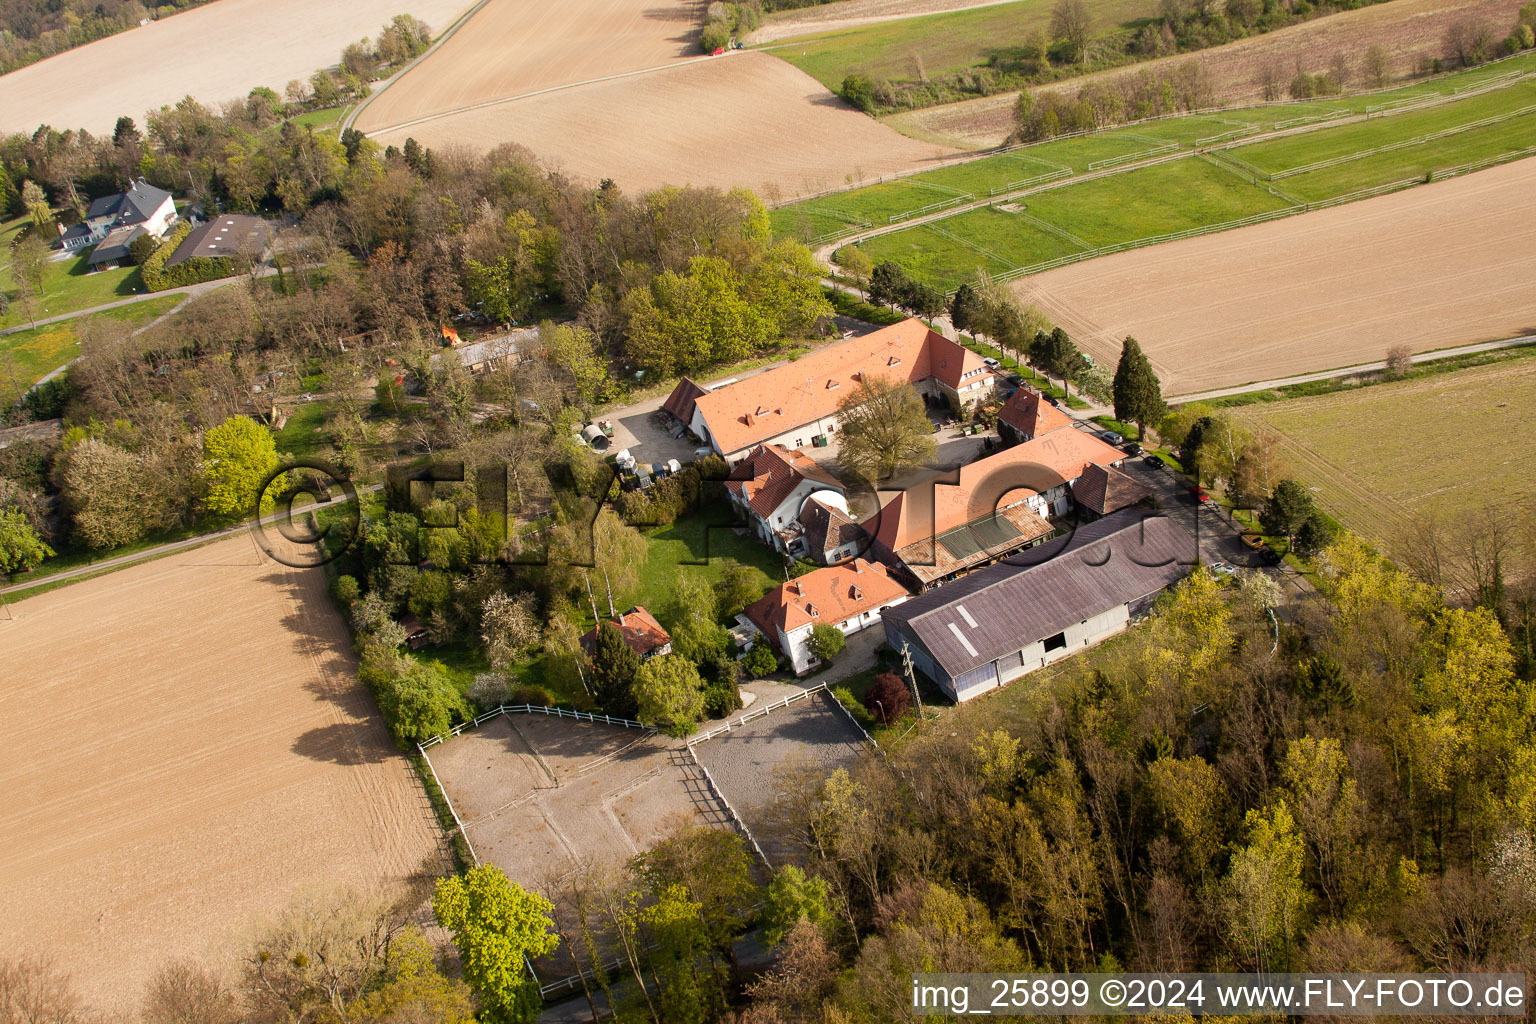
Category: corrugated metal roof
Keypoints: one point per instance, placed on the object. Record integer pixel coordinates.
(1041, 591)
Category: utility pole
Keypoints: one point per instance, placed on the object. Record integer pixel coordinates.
(906, 660)
(609, 585)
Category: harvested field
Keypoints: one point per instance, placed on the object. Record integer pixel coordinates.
(217, 52)
(1406, 28)
(514, 47)
(743, 119)
(1376, 468)
(543, 797)
(1430, 267)
(189, 745)
(747, 761)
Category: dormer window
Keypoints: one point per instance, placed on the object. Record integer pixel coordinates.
(893, 361)
(831, 384)
(811, 608)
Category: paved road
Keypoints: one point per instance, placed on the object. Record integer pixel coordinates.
(1350, 371)
(123, 561)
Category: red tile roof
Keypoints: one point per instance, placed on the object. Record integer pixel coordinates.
(640, 629)
(768, 475)
(983, 487)
(827, 528)
(680, 402)
(789, 396)
(828, 595)
(1031, 414)
(1105, 489)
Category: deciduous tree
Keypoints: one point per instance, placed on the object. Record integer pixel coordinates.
(21, 548)
(884, 429)
(669, 694)
(495, 925)
(826, 642)
(238, 456)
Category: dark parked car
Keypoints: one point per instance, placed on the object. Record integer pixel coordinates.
(1152, 460)
(1014, 379)
(1131, 448)
(1053, 400)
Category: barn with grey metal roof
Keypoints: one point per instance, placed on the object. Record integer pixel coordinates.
(1000, 622)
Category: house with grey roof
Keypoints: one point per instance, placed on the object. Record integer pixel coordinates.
(1042, 604)
(113, 222)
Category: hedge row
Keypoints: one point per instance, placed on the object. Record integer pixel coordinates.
(193, 271)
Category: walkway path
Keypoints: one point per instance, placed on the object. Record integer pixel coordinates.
(122, 561)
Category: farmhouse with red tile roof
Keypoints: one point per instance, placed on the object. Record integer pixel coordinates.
(988, 509)
(794, 404)
(769, 487)
(641, 632)
(849, 597)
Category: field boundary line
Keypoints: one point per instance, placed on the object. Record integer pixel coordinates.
(1047, 226)
(449, 801)
(1039, 179)
(1419, 140)
(973, 246)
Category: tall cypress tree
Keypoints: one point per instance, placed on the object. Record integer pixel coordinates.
(1138, 394)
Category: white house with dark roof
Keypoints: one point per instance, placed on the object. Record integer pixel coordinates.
(113, 222)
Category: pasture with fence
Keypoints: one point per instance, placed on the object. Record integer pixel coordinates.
(1180, 182)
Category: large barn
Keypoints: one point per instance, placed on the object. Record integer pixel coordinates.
(1000, 622)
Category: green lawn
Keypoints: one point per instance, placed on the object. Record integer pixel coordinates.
(1151, 201)
(703, 537)
(1345, 140)
(1120, 208)
(1415, 162)
(27, 355)
(320, 119)
(68, 286)
(304, 435)
(939, 44)
(929, 256)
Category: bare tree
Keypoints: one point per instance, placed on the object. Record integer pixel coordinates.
(1399, 360)
(1271, 79)
(33, 990)
(1340, 70)
(187, 993)
(1070, 21)
(1469, 40)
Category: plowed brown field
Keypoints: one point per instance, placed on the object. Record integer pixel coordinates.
(513, 47)
(1430, 267)
(216, 53)
(1407, 29)
(187, 745)
(742, 119)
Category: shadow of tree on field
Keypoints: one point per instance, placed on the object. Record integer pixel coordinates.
(345, 743)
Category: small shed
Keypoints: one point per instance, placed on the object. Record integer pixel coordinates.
(594, 436)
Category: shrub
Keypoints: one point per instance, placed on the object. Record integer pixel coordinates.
(490, 690)
(345, 590)
(720, 699)
(715, 35)
(142, 248)
(760, 660)
(887, 698)
(826, 642)
(528, 694)
(846, 698)
(859, 90)
(193, 271)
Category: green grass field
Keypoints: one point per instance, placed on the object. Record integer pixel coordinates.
(1149, 201)
(1192, 192)
(27, 355)
(320, 120)
(695, 538)
(943, 44)
(69, 286)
